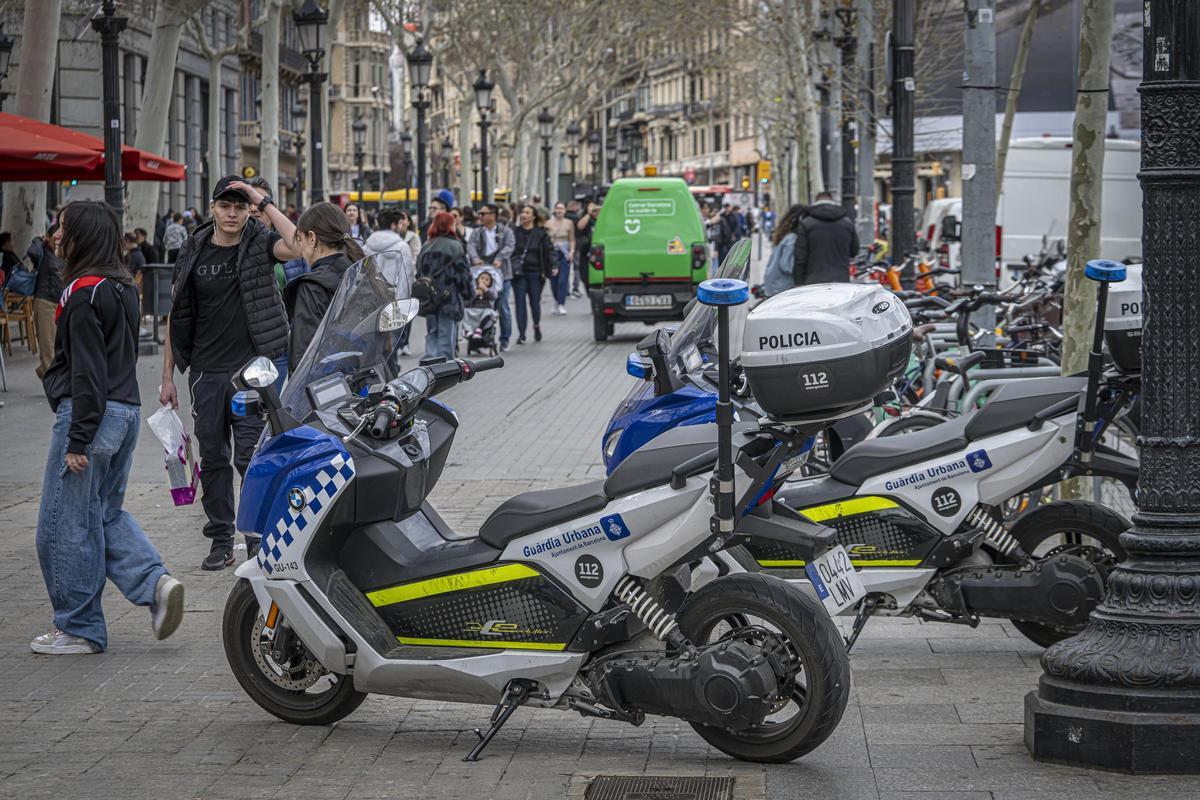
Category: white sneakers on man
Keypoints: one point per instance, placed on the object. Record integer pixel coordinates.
(168, 606)
(57, 643)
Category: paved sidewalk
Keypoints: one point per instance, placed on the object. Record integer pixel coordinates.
(935, 713)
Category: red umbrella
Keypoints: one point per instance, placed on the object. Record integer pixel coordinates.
(31, 150)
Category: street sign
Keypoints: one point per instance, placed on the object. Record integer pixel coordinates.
(764, 171)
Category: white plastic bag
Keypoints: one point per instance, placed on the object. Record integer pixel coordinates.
(183, 474)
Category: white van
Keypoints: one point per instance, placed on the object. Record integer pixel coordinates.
(1036, 199)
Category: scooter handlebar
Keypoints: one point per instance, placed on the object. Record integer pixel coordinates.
(484, 364)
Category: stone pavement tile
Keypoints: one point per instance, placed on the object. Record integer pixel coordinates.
(918, 756)
(929, 733)
(890, 795)
(989, 644)
(933, 778)
(909, 712)
(883, 694)
(932, 660)
(979, 676)
(896, 678)
(991, 712)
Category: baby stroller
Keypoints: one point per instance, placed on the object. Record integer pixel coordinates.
(481, 318)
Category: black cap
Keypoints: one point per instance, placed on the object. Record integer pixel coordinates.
(222, 190)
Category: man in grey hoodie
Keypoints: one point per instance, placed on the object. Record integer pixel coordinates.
(493, 243)
(394, 256)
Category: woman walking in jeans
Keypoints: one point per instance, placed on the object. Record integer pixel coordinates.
(533, 261)
(83, 534)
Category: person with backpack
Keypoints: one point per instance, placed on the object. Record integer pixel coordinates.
(777, 276)
(826, 241)
(323, 238)
(442, 286)
(83, 534)
(534, 261)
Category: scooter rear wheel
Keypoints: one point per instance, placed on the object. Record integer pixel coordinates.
(1087, 529)
(301, 692)
(811, 713)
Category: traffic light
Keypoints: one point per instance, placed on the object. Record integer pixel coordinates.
(745, 182)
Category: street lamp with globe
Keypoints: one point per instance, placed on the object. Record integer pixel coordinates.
(447, 158)
(594, 147)
(406, 145)
(546, 129)
(475, 172)
(483, 101)
(610, 157)
(359, 129)
(574, 135)
(299, 113)
(312, 23)
(420, 66)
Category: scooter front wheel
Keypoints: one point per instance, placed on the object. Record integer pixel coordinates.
(295, 688)
(749, 605)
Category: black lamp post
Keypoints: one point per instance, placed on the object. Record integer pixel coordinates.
(299, 113)
(475, 172)
(1125, 693)
(483, 101)
(546, 129)
(359, 128)
(406, 161)
(624, 152)
(109, 26)
(610, 154)
(447, 158)
(312, 23)
(594, 148)
(574, 135)
(420, 65)
(6, 48)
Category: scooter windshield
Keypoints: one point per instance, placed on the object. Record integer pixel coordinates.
(349, 337)
(695, 338)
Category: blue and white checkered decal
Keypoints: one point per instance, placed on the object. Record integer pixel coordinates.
(319, 494)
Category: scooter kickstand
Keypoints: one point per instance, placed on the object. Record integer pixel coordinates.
(865, 609)
(515, 695)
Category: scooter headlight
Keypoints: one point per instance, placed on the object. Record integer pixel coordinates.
(610, 443)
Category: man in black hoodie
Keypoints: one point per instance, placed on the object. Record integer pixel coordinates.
(826, 241)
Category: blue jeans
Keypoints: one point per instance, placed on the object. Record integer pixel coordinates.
(83, 534)
(561, 283)
(441, 334)
(505, 313)
(527, 287)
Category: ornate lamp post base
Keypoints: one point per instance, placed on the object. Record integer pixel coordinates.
(1125, 693)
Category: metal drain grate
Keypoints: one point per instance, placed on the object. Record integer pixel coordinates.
(624, 787)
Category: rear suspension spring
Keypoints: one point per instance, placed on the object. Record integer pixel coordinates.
(994, 533)
(661, 622)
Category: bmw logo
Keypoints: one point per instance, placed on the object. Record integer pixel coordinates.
(296, 498)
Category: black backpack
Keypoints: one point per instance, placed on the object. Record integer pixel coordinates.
(436, 285)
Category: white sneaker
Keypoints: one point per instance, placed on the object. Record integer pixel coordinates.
(505, 348)
(168, 607)
(560, 310)
(57, 643)
(406, 351)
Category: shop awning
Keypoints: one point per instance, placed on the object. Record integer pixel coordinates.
(31, 150)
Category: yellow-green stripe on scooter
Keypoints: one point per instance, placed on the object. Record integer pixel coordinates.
(451, 583)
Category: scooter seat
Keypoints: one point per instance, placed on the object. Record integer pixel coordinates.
(886, 453)
(1011, 406)
(652, 464)
(534, 511)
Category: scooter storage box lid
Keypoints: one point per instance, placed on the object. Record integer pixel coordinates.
(826, 348)
(1123, 320)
